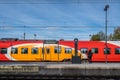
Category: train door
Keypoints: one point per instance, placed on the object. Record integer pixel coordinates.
(47, 53)
(57, 53)
(67, 54)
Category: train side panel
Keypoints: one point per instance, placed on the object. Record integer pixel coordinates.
(36, 51)
(98, 49)
(32, 50)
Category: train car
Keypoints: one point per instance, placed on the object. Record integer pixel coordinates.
(62, 50)
(100, 52)
(36, 50)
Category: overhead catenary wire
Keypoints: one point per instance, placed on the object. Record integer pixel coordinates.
(55, 26)
(56, 1)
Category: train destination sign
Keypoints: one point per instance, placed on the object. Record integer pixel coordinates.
(50, 42)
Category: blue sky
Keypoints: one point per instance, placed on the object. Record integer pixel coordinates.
(57, 19)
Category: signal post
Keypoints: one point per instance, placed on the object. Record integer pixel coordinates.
(75, 58)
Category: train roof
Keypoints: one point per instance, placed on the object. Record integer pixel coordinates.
(46, 41)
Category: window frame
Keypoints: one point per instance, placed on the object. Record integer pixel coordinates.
(116, 51)
(68, 50)
(96, 50)
(2, 51)
(16, 50)
(57, 49)
(24, 52)
(85, 50)
(107, 49)
(34, 49)
(48, 50)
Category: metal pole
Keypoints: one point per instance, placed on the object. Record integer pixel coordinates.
(105, 9)
(58, 50)
(76, 46)
(24, 35)
(43, 52)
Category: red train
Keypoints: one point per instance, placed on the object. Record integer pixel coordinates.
(62, 50)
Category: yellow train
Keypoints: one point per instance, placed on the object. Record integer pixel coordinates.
(37, 50)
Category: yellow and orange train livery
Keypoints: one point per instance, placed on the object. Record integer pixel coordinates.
(36, 50)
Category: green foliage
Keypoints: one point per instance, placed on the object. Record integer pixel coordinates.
(95, 37)
(101, 36)
(116, 34)
(98, 37)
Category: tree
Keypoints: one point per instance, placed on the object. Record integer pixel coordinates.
(98, 37)
(101, 36)
(116, 34)
(95, 37)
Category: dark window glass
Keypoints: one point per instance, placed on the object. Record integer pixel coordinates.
(84, 50)
(47, 50)
(68, 50)
(107, 50)
(34, 50)
(94, 50)
(3, 51)
(14, 50)
(117, 50)
(24, 51)
(57, 49)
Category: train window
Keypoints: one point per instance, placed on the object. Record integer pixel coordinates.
(94, 50)
(3, 51)
(47, 50)
(84, 50)
(14, 50)
(107, 50)
(68, 50)
(24, 51)
(34, 50)
(117, 50)
(57, 49)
